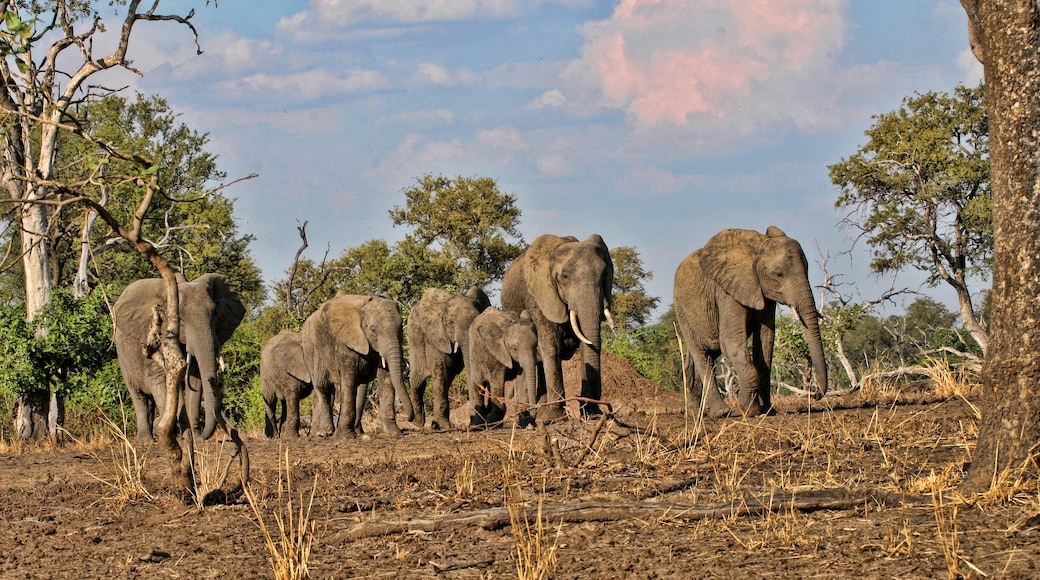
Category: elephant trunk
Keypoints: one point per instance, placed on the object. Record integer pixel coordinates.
(589, 318)
(529, 367)
(805, 309)
(395, 364)
(204, 349)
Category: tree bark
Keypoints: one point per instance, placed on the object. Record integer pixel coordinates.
(1005, 35)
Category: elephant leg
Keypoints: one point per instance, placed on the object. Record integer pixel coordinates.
(418, 384)
(441, 408)
(145, 416)
(290, 420)
(270, 421)
(762, 357)
(322, 423)
(591, 385)
(387, 409)
(496, 408)
(747, 374)
(551, 408)
(478, 410)
(704, 394)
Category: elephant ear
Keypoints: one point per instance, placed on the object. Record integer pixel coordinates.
(608, 274)
(436, 326)
(539, 260)
(492, 335)
(229, 308)
(343, 315)
(290, 351)
(479, 298)
(729, 260)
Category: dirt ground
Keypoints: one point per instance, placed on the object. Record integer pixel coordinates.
(851, 487)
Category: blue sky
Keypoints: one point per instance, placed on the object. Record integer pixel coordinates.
(654, 123)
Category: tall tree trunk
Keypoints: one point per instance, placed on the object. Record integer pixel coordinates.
(34, 406)
(1005, 35)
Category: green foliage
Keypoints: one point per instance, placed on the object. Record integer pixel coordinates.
(792, 363)
(243, 400)
(652, 350)
(461, 228)
(68, 341)
(631, 306)
(197, 233)
(919, 189)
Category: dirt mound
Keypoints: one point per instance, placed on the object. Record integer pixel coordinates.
(624, 388)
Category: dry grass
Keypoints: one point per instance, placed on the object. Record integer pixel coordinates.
(534, 543)
(289, 547)
(125, 466)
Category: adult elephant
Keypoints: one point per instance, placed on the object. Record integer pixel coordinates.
(347, 342)
(725, 293)
(284, 380)
(438, 346)
(211, 309)
(503, 347)
(565, 285)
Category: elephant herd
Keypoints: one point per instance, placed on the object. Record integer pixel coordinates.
(555, 297)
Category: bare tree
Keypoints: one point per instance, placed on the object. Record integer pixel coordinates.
(1005, 37)
(40, 89)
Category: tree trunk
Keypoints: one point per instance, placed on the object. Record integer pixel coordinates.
(1005, 34)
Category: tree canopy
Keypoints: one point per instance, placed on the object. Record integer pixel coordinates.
(919, 191)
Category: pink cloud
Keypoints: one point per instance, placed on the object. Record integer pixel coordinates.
(663, 60)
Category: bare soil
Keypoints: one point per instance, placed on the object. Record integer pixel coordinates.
(853, 486)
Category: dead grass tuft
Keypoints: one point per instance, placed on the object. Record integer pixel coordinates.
(289, 548)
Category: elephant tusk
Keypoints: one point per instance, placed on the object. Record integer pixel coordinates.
(454, 347)
(577, 331)
(610, 319)
(220, 363)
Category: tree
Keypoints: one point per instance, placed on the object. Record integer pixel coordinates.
(1005, 37)
(42, 84)
(631, 306)
(462, 226)
(920, 191)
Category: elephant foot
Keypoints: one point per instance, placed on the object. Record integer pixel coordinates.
(711, 410)
(486, 418)
(525, 420)
(440, 424)
(392, 430)
(591, 411)
(551, 413)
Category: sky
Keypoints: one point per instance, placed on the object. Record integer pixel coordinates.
(654, 123)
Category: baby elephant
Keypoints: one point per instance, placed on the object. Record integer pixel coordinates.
(503, 347)
(283, 378)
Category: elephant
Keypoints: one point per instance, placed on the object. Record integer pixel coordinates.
(565, 285)
(503, 347)
(285, 379)
(348, 341)
(725, 293)
(211, 308)
(438, 346)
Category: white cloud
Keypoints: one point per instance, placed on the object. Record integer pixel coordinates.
(551, 99)
(428, 73)
(323, 16)
(307, 85)
(428, 117)
(508, 138)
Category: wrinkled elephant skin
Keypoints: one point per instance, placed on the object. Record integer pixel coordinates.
(565, 285)
(210, 310)
(726, 293)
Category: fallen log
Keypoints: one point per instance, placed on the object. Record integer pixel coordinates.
(750, 504)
